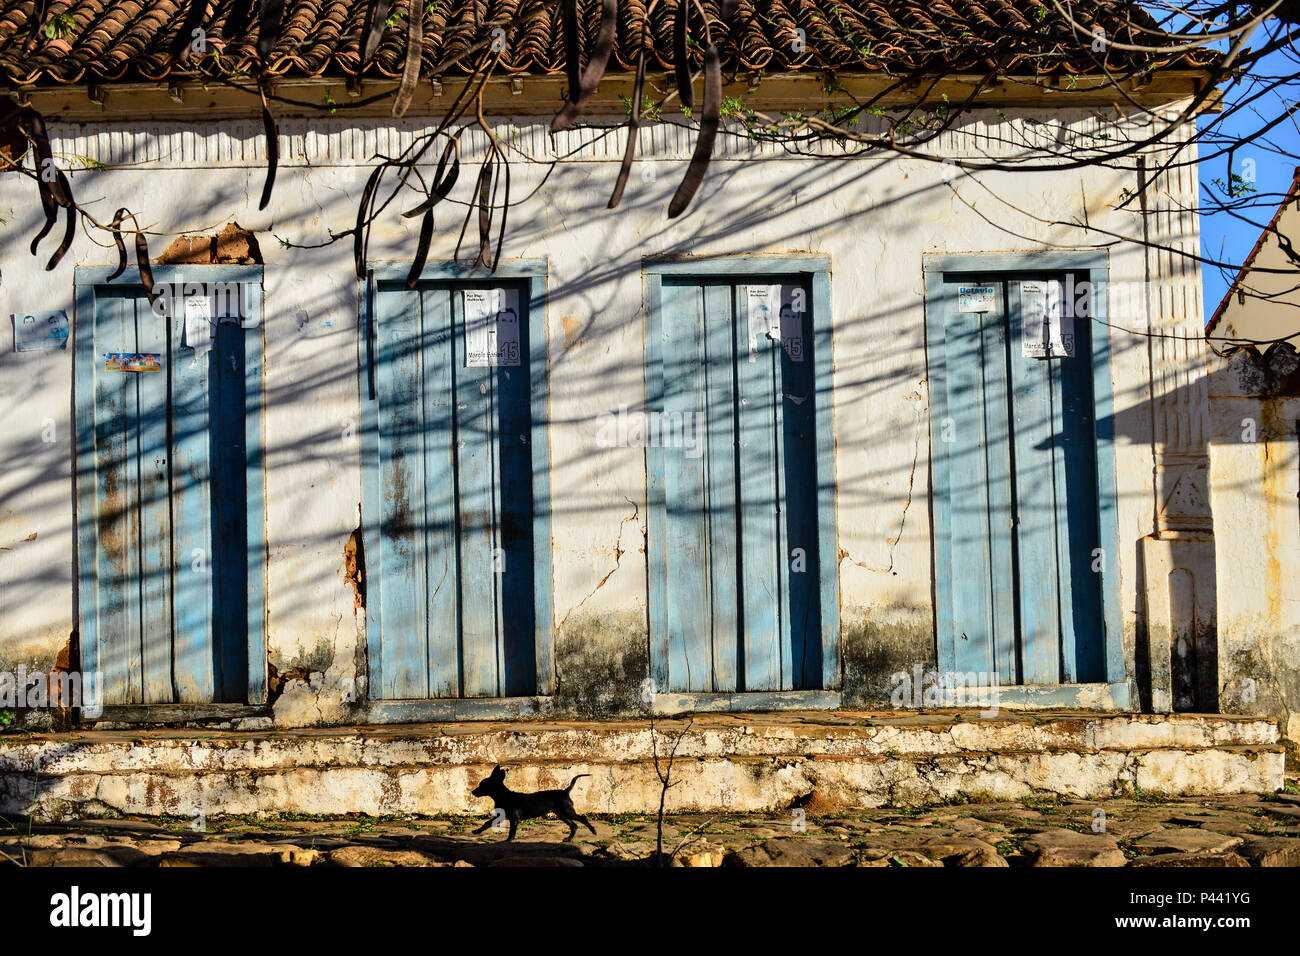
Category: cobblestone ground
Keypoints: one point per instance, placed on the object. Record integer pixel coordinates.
(1204, 832)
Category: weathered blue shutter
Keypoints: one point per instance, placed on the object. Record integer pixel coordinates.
(134, 555)
(169, 606)
(686, 548)
(116, 462)
(514, 569)
(195, 374)
(738, 473)
(439, 591)
(1036, 423)
(1015, 491)
(233, 570)
(1056, 504)
(479, 483)
(452, 610)
(155, 510)
(718, 452)
(762, 546)
(402, 521)
(802, 546)
(973, 485)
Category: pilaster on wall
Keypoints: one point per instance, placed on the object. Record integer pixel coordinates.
(1178, 557)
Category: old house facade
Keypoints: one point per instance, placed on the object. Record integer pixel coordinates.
(851, 423)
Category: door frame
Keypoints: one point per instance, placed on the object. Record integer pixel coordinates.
(1116, 692)
(535, 272)
(817, 270)
(86, 280)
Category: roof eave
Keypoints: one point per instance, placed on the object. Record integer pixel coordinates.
(178, 98)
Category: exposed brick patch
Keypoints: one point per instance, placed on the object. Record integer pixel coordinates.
(275, 681)
(354, 569)
(233, 244)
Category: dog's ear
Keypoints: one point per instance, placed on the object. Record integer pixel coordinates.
(498, 772)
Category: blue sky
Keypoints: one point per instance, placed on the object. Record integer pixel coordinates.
(1223, 237)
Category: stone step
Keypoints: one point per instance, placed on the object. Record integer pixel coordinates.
(725, 762)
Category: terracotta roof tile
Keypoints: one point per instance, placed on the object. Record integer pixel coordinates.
(110, 40)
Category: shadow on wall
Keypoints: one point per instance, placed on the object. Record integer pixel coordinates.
(602, 659)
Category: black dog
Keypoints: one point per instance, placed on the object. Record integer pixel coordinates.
(525, 806)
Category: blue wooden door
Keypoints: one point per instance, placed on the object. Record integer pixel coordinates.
(733, 442)
(165, 453)
(1015, 484)
(451, 609)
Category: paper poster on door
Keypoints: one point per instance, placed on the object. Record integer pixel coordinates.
(1046, 330)
(976, 298)
(133, 362)
(792, 327)
(491, 327)
(198, 324)
(764, 315)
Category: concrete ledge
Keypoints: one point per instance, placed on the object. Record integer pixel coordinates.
(725, 762)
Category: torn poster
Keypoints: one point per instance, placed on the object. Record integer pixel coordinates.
(792, 331)
(198, 324)
(764, 319)
(491, 327)
(40, 331)
(1046, 329)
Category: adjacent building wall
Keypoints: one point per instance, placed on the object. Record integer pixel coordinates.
(1255, 482)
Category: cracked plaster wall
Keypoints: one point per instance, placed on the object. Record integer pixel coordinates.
(876, 220)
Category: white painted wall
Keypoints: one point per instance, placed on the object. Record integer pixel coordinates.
(875, 219)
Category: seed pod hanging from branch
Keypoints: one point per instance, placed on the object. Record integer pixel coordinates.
(572, 47)
(272, 152)
(485, 210)
(142, 263)
(270, 17)
(33, 124)
(414, 52)
(361, 232)
(710, 119)
(51, 210)
(596, 65)
(183, 42)
(116, 227)
(633, 127)
(372, 30)
(681, 54)
(443, 179)
(421, 249)
(69, 229)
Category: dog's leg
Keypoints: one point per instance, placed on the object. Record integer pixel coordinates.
(487, 823)
(585, 822)
(573, 829)
(514, 824)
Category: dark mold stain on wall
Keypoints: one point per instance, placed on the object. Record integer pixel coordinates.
(878, 643)
(601, 662)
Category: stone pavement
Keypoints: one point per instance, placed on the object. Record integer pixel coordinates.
(1237, 831)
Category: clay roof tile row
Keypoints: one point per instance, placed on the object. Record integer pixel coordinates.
(106, 40)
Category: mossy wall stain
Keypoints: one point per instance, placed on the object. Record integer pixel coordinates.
(879, 641)
(601, 661)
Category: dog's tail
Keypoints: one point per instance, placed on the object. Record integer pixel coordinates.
(575, 780)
